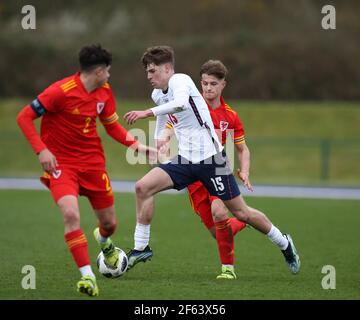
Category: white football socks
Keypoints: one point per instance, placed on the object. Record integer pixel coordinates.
(278, 238)
(141, 236)
(86, 271)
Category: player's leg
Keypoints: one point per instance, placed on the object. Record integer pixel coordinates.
(235, 224)
(261, 222)
(201, 204)
(77, 244)
(224, 239)
(213, 214)
(201, 200)
(64, 189)
(96, 186)
(226, 229)
(153, 182)
(219, 180)
(106, 227)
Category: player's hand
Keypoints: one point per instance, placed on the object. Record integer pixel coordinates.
(160, 143)
(150, 152)
(48, 161)
(244, 177)
(132, 116)
(164, 152)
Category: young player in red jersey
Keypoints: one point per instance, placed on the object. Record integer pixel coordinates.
(211, 210)
(72, 156)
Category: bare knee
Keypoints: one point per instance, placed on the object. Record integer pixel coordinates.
(107, 221)
(109, 224)
(71, 216)
(141, 189)
(243, 214)
(219, 211)
(107, 228)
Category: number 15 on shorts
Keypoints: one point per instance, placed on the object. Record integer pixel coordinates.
(218, 184)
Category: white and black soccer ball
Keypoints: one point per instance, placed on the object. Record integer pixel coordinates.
(109, 272)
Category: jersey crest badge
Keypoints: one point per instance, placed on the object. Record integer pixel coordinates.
(100, 106)
(224, 125)
(57, 174)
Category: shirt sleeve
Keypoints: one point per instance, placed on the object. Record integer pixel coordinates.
(239, 133)
(25, 120)
(108, 113)
(181, 93)
(120, 134)
(49, 100)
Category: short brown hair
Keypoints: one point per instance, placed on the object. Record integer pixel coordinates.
(158, 55)
(214, 68)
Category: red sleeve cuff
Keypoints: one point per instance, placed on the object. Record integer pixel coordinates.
(120, 134)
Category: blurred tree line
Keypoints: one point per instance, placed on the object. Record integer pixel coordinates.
(275, 49)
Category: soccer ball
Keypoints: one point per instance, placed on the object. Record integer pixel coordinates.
(109, 272)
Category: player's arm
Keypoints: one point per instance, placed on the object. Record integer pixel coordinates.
(163, 144)
(114, 129)
(243, 153)
(121, 135)
(25, 120)
(173, 106)
(178, 104)
(166, 135)
(243, 172)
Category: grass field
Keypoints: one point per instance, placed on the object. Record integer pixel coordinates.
(185, 261)
(290, 142)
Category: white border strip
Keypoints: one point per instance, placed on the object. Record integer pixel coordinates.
(259, 190)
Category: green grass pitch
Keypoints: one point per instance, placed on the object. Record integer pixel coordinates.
(185, 261)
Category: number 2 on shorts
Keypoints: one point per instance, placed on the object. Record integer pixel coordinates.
(106, 178)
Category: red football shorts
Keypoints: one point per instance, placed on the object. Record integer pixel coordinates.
(95, 185)
(201, 201)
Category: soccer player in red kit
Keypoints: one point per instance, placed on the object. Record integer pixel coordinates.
(211, 209)
(72, 156)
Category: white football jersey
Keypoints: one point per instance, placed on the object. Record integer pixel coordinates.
(183, 105)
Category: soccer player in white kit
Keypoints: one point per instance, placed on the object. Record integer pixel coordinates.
(201, 157)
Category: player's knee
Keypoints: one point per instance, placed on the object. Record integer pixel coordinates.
(108, 227)
(219, 211)
(243, 215)
(71, 215)
(141, 189)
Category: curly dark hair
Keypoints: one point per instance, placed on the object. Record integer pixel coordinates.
(158, 55)
(214, 68)
(92, 56)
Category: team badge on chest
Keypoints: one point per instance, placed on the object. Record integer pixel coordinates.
(57, 174)
(100, 106)
(224, 125)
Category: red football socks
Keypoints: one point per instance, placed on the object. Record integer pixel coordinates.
(78, 246)
(236, 225)
(225, 241)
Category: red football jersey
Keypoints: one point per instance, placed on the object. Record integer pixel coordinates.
(68, 128)
(226, 119)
